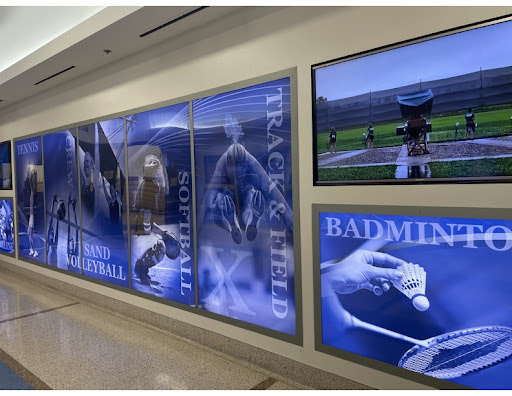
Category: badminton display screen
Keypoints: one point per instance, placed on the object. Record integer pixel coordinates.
(62, 210)
(417, 112)
(160, 188)
(428, 294)
(242, 145)
(103, 201)
(30, 199)
(7, 233)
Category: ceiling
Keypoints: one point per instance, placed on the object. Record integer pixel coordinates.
(46, 24)
(66, 42)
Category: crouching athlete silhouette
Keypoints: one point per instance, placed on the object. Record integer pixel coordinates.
(238, 194)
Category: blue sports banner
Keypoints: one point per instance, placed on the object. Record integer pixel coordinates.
(160, 188)
(429, 294)
(28, 155)
(61, 192)
(7, 233)
(103, 196)
(5, 165)
(242, 146)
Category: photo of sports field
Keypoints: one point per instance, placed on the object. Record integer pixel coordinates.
(437, 109)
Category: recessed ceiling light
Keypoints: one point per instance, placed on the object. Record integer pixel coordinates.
(54, 75)
(173, 21)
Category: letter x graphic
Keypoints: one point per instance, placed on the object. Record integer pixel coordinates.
(225, 279)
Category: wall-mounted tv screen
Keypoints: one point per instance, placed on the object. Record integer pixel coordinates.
(7, 232)
(435, 109)
(427, 291)
(5, 166)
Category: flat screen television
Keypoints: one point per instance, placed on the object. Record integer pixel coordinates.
(433, 109)
(418, 292)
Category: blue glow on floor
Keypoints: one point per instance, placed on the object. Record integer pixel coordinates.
(10, 381)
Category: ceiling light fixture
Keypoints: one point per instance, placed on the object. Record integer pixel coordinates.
(173, 21)
(54, 75)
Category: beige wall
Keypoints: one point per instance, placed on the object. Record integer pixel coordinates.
(226, 53)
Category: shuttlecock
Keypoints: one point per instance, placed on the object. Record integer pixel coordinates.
(412, 284)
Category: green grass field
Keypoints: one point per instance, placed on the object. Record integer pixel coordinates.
(357, 173)
(478, 168)
(473, 168)
(493, 121)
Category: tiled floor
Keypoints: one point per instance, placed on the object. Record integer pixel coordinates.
(52, 341)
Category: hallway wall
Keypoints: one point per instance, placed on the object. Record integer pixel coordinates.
(229, 51)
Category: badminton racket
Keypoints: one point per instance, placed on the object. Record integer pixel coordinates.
(452, 354)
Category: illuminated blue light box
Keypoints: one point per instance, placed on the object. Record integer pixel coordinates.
(243, 165)
(160, 188)
(426, 293)
(102, 177)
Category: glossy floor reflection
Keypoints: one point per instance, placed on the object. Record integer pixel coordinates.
(19, 298)
(66, 344)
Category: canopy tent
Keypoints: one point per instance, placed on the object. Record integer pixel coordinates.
(416, 104)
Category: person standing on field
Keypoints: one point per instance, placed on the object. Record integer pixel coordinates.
(369, 139)
(332, 140)
(470, 124)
